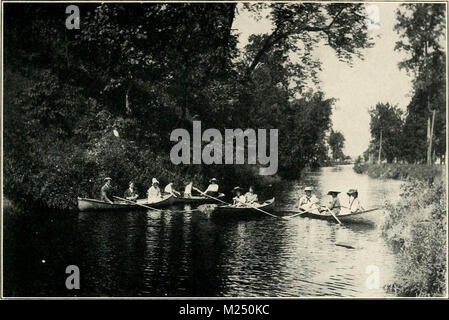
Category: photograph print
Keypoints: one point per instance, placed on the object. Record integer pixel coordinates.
(224, 149)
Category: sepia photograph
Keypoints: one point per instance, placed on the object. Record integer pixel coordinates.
(228, 149)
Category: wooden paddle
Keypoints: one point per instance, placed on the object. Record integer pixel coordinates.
(138, 204)
(333, 215)
(298, 213)
(247, 204)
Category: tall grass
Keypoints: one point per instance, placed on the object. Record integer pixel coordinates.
(416, 228)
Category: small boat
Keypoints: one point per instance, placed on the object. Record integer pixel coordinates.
(344, 216)
(230, 211)
(196, 199)
(85, 204)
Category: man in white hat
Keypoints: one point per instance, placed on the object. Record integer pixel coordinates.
(106, 190)
(308, 201)
(212, 189)
(154, 192)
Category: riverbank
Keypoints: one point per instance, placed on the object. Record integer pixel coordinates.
(416, 227)
(399, 171)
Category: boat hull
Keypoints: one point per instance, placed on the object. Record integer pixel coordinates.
(196, 199)
(343, 216)
(85, 204)
(231, 212)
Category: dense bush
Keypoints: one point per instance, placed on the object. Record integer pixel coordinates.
(399, 171)
(416, 228)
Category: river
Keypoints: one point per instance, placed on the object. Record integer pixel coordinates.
(189, 254)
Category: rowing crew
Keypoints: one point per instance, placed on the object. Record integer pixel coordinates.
(309, 201)
(154, 193)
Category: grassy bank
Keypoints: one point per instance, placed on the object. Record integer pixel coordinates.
(416, 227)
(399, 171)
(417, 230)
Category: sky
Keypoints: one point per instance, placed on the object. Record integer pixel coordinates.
(374, 79)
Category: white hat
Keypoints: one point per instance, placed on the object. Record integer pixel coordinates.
(308, 189)
(154, 181)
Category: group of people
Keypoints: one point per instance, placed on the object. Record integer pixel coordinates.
(244, 199)
(310, 202)
(154, 193)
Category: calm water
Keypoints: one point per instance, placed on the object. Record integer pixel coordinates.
(190, 254)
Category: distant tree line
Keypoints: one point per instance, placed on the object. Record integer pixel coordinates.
(419, 134)
(80, 105)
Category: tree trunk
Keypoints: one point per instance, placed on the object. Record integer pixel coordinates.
(380, 147)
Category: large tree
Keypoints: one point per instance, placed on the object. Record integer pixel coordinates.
(422, 28)
(386, 128)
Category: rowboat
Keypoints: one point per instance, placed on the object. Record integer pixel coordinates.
(230, 211)
(85, 204)
(196, 199)
(344, 216)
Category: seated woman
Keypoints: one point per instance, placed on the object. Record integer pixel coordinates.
(188, 189)
(212, 189)
(250, 196)
(308, 201)
(154, 192)
(239, 199)
(334, 204)
(170, 190)
(131, 192)
(354, 202)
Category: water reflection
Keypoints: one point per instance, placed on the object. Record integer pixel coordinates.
(188, 253)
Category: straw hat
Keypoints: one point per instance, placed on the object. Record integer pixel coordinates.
(213, 180)
(107, 179)
(352, 191)
(237, 189)
(308, 189)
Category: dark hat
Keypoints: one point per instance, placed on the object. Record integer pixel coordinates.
(331, 191)
(352, 191)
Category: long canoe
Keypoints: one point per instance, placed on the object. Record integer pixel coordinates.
(196, 199)
(85, 204)
(344, 216)
(229, 211)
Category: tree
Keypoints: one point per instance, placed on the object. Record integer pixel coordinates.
(336, 142)
(386, 131)
(422, 28)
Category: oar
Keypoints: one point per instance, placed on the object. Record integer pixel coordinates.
(298, 213)
(247, 204)
(204, 194)
(333, 215)
(138, 204)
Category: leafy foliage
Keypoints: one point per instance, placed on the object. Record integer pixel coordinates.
(102, 100)
(416, 228)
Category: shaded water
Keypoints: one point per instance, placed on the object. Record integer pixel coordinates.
(191, 254)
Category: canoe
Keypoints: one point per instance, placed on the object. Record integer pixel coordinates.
(244, 212)
(85, 204)
(196, 199)
(344, 216)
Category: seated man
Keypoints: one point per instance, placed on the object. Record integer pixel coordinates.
(154, 192)
(354, 202)
(251, 197)
(239, 199)
(131, 193)
(212, 189)
(169, 189)
(106, 191)
(308, 201)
